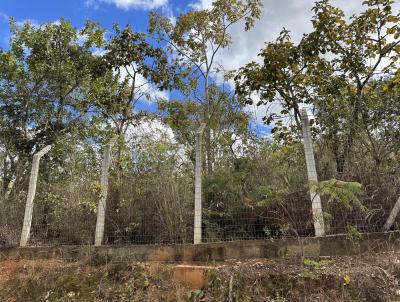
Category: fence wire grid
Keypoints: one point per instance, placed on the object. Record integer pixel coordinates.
(143, 223)
(152, 201)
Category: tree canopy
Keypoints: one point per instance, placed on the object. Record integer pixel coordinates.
(78, 89)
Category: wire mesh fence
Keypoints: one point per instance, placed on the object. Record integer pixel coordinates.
(149, 224)
(153, 201)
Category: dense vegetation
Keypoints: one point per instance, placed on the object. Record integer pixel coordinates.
(79, 89)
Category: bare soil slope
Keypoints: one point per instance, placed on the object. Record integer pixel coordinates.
(361, 278)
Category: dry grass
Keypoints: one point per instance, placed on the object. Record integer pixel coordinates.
(373, 277)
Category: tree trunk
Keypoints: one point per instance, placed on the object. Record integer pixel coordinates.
(120, 170)
(207, 121)
(4, 189)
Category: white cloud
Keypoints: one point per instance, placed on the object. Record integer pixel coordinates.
(144, 87)
(202, 4)
(294, 15)
(92, 4)
(5, 39)
(155, 129)
(98, 52)
(148, 134)
(168, 11)
(3, 17)
(33, 22)
(129, 4)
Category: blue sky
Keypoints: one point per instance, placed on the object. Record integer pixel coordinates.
(77, 11)
(294, 15)
(107, 12)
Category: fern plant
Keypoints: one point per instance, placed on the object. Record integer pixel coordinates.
(343, 192)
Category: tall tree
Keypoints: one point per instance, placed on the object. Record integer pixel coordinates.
(333, 68)
(228, 122)
(137, 71)
(363, 49)
(44, 80)
(284, 77)
(196, 39)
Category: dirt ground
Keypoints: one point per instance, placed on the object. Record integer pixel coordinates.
(373, 277)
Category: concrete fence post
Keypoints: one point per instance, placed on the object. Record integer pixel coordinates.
(198, 186)
(101, 208)
(10, 186)
(318, 216)
(392, 217)
(26, 228)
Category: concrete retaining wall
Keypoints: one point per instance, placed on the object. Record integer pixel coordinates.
(337, 245)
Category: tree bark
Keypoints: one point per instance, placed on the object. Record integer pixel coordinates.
(207, 121)
(4, 188)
